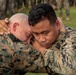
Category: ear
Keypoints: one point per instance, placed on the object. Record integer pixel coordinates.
(61, 25)
(15, 25)
(58, 24)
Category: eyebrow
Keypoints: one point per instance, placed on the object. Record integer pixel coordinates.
(41, 32)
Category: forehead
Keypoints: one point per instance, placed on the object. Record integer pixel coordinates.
(42, 26)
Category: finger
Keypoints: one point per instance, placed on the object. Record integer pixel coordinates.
(4, 32)
(6, 20)
(3, 29)
(3, 24)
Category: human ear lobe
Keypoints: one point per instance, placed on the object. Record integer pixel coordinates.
(15, 25)
(58, 24)
(62, 27)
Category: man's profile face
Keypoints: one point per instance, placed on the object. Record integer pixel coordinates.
(22, 32)
(25, 33)
(45, 33)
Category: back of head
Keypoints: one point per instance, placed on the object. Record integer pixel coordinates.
(19, 18)
(19, 27)
(41, 12)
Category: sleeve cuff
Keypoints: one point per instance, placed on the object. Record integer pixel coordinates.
(48, 56)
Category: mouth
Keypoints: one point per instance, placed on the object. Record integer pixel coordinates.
(43, 44)
(46, 45)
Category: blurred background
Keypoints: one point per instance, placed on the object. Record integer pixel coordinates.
(65, 9)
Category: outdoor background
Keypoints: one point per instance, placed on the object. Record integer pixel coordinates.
(71, 23)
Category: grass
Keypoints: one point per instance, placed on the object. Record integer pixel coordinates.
(36, 74)
(71, 23)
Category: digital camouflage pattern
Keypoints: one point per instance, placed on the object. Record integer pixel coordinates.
(61, 57)
(60, 4)
(17, 58)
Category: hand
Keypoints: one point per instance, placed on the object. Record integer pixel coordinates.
(38, 47)
(3, 26)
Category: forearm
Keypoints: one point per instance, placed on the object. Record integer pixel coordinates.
(29, 60)
(60, 62)
(20, 62)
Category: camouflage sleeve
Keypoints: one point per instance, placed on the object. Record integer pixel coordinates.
(61, 58)
(18, 58)
(25, 59)
(5, 59)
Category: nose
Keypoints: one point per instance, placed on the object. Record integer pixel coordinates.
(42, 38)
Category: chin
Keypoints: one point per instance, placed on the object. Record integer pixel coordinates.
(45, 46)
(48, 46)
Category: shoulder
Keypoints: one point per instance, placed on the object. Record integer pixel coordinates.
(70, 30)
(71, 33)
(4, 38)
(66, 40)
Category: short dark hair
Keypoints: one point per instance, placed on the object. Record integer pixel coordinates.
(40, 12)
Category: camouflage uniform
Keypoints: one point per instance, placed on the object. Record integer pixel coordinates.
(33, 2)
(46, 1)
(18, 58)
(18, 4)
(38, 1)
(61, 57)
(2, 8)
(10, 7)
(26, 3)
(74, 4)
(60, 4)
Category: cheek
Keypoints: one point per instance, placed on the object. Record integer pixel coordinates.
(50, 37)
(26, 36)
(23, 35)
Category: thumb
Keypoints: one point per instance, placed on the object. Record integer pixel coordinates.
(6, 20)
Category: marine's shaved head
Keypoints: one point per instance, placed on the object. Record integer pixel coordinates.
(19, 27)
(19, 17)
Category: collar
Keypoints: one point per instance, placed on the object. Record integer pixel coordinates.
(13, 38)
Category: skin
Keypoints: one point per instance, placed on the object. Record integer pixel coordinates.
(45, 33)
(19, 27)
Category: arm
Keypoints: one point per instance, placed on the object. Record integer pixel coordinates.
(60, 58)
(4, 25)
(6, 52)
(18, 58)
(29, 59)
